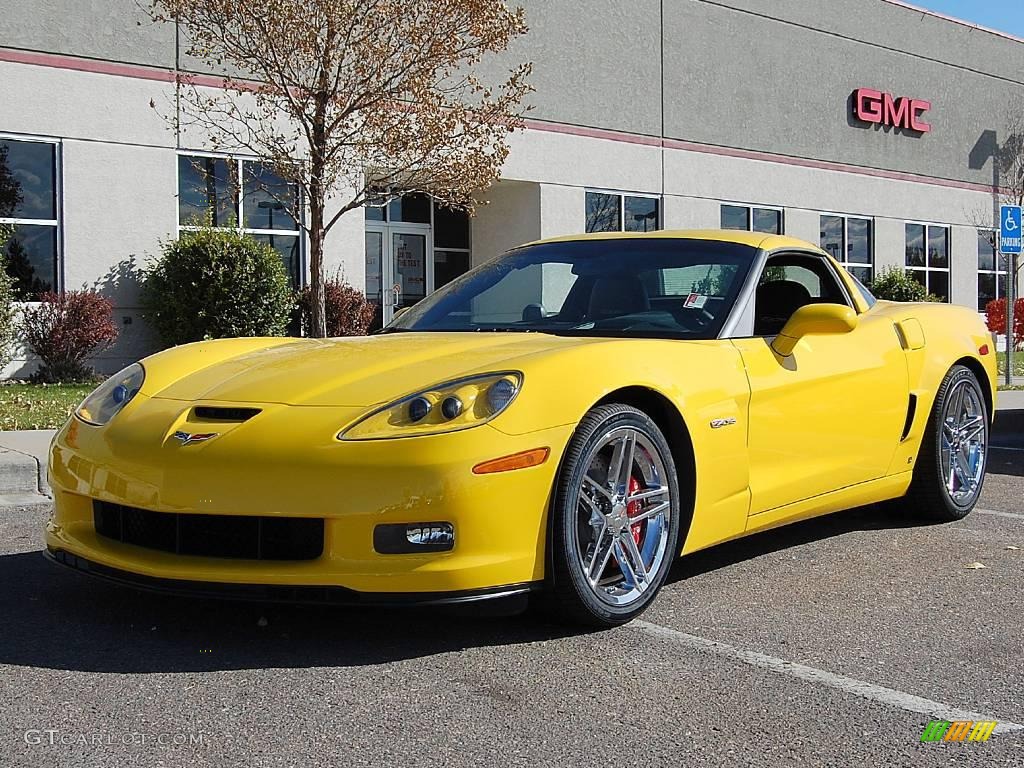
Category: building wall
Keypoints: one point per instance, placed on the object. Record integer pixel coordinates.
(698, 102)
(789, 86)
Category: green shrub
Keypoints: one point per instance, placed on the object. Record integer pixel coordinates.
(895, 284)
(348, 312)
(215, 284)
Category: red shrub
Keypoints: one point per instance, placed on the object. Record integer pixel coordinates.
(995, 318)
(65, 329)
(348, 312)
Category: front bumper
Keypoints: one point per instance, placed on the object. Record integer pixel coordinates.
(287, 463)
(279, 593)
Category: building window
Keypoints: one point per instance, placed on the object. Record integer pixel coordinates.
(752, 219)
(848, 240)
(928, 258)
(29, 215)
(229, 192)
(613, 212)
(451, 244)
(992, 270)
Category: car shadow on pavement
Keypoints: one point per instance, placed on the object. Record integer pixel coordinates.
(871, 518)
(56, 619)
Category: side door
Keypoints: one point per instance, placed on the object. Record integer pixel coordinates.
(831, 414)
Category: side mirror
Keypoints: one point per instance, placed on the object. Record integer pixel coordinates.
(814, 320)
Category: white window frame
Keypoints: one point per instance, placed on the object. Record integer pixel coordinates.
(948, 269)
(844, 257)
(750, 214)
(622, 195)
(58, 193)
(239, 160)
(1002, 276)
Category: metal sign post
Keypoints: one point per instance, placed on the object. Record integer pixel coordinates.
(1010, 244)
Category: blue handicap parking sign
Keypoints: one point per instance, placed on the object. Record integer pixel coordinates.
(1010, 235)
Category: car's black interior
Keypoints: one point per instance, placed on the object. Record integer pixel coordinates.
(624, 302)
(778, 295)
(616, 296)
(775, 302)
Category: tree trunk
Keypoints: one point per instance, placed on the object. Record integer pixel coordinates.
(318, 313)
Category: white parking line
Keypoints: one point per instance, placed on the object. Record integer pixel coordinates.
(890, 696)
(1012, 515)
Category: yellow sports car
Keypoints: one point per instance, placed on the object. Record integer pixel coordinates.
(565, 419)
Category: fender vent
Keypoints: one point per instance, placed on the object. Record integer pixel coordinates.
(911, 411)
(213, 413)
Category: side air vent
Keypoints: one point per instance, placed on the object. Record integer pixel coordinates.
(911, 411)
(213, 413)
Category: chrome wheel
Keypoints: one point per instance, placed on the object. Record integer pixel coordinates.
(623, 511)
(964, 442)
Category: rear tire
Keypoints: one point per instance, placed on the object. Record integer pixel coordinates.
(615, 519)
(950, 468)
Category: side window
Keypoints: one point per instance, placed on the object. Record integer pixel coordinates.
(791, 281)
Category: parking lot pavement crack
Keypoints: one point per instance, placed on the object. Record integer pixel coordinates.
(900, 699)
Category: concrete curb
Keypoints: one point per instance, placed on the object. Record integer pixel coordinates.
(23, 459)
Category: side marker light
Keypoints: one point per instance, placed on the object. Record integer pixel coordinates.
(532, 458)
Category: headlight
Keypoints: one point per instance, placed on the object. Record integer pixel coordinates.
(112, 395)
(448, 407)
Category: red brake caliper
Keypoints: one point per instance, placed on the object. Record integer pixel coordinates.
(633, 509)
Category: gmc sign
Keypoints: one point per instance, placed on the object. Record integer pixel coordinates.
(880, 108)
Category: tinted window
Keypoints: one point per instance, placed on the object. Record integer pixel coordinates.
(833, 236)
(735, 217)
(207, 191)
(604, 212)
(28, 180)
(641, 214)
(28, 214)
(768, 220)
(915, 245)
(630, 287)
(268, 200)
(410, 209)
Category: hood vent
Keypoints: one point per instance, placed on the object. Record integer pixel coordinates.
(213, 413)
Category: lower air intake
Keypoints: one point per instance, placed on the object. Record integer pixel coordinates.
(229, 536)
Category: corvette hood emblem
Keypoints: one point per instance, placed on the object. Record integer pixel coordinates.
(187, 438)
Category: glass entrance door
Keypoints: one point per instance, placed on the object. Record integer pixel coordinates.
(398, 272)
(409, 268)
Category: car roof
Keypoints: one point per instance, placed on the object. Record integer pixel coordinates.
(760, 240)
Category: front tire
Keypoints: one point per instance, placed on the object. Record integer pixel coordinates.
(950, 468)
(615, 519)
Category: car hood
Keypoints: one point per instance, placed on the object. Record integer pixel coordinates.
(359, 371)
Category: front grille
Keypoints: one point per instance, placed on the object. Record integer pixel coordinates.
(216, 413)
(247, 537)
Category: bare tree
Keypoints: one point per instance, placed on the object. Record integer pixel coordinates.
(352, 99)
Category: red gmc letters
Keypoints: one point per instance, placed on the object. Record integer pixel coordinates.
(873, 106)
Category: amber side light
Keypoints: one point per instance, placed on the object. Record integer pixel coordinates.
(533, 458)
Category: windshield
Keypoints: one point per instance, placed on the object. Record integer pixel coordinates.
(643, 287)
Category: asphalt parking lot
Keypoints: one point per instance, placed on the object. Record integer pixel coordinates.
(828, 643)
